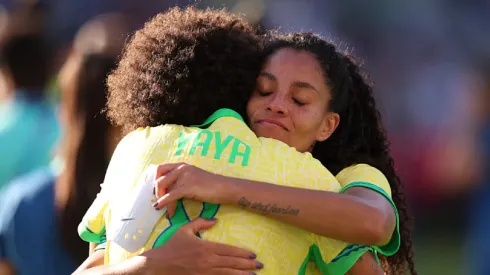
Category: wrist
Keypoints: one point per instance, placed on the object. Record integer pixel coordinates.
(229, 188)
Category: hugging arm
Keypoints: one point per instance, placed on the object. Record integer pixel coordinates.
(183, 253)
(359, 215)
(362, 214)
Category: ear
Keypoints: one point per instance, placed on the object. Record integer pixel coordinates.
(329, 124)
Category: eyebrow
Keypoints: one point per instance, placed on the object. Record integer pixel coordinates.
(268, 75)
(299, 84)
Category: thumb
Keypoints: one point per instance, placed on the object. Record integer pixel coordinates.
(198, 225)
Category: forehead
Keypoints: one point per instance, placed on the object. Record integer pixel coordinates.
(289, 61)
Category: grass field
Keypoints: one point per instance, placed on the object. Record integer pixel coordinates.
(439, 239)
(439, 254)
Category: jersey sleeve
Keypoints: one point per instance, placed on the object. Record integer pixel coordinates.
(134, 153)
(366, 176)
(339, 265)
(92, 227)
(346, 259)
(124, 162)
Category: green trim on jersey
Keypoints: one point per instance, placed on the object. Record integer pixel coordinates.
(338, 266)
(180, 218)
(394, 244)
(89, 236)
(209, 210)
(225, 112)
(177, 221)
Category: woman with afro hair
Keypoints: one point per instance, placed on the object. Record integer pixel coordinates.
(156, 80)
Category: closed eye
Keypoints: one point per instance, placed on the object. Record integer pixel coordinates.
(264, 93)
(297, 102)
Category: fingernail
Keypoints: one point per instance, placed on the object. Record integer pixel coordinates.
(252, 273)
(213, 219)
(252, 256)
(155, 205)
(259, 265)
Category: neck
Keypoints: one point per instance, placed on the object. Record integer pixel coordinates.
(310, 150)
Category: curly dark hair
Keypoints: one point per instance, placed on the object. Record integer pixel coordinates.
(182, 66)
(360, 136)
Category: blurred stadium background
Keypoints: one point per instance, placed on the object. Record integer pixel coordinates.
(430, 61)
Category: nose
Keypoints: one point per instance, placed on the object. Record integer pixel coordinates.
(277, 105)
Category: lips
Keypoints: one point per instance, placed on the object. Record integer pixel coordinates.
(273, 123)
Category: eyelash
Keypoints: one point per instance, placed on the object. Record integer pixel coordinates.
(261, 93)
(297, 102)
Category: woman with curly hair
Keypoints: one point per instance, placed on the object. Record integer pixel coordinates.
(148, 97)
(306, 84)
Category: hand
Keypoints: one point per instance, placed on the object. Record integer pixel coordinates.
(186, 254)
(175, 181)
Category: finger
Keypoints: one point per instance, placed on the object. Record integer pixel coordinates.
(237, 263)
(171, 208)
(164, 182)
(232, 251)
(229, 271)
(169, 198)
(198, 225)
(163, 169)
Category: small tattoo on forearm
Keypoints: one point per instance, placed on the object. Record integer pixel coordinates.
(267, 208)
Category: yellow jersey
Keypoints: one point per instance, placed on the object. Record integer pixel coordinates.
(366, 176)
(226, 147)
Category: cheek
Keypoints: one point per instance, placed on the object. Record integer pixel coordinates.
(308, 122)
(252, 106)
(249, 110)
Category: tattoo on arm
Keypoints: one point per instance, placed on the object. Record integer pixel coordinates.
(267, 208)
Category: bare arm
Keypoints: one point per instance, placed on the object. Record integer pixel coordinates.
(359, 215)
(95, 259)
(92, 247)
(366, 265)
(135, 265)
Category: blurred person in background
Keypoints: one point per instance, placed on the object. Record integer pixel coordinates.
(3, 32)
(39, 212)
(30, 16)
(28, 124)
